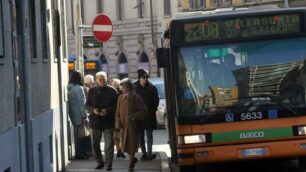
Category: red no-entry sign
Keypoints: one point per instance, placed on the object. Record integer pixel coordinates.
(102, 27)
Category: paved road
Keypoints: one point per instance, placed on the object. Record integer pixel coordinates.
(256, 166)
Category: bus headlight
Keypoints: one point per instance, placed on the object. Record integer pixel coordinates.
(191, 139)
(301, 130)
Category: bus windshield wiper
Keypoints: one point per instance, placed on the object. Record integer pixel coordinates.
(272, 99)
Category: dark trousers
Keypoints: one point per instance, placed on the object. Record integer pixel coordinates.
(96, 136)
(149, 134)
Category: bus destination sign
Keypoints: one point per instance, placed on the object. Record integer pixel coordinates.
(90, 65)
(209, 30)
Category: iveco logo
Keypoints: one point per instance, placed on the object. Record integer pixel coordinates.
(250, 135)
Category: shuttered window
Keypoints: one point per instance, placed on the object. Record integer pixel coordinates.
(44, 36)
(33, 30)
(120, 9)
(99, 6)
(140, 8)
(167, 8)
(1, 32)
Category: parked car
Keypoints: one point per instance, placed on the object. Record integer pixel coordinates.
(161, 114)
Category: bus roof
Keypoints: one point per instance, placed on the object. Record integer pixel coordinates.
(230, 10)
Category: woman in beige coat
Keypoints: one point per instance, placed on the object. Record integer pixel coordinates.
(130, 108)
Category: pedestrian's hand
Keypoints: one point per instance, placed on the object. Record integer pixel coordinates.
(103, 112)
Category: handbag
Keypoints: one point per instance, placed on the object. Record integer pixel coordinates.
(83, 131)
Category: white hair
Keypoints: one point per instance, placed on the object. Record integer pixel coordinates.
(116, 83)
(101, 73)
(88, 79)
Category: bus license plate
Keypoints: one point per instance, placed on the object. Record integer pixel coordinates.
(254, 152)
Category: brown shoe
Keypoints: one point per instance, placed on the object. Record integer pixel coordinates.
(132, 164)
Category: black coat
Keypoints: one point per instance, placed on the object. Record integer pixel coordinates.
(102, 98)
(150, 97)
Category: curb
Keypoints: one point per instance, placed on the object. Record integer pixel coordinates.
(164, 160)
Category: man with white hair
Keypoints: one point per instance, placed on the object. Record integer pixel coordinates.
(102, 101)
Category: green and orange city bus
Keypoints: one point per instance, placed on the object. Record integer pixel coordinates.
(236, 86)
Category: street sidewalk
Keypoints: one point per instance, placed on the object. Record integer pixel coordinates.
(160, 164)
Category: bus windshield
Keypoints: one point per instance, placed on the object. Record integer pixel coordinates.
(233, 75)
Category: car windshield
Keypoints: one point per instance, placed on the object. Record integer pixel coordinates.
(161, 90)
(212, 77)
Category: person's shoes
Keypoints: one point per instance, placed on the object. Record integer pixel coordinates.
(120, 154)
(132, 164)
(151, 157)
(109, 168)
(100, 166)
(143, 157)
(81, 157)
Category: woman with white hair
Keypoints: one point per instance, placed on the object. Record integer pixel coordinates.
(130, 109)
(88, 83)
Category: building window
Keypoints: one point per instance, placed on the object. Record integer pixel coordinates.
(221, 3)
(99, 6)
(120, 9)
(167, 8)
(18, 21)
(197, 4)
(122, 66)
(143, 61)
(250, 1)
(82, 11)
(44, 36)
(139, 7)
(40, 157)
(104, 63)
(56, 30)
(51, 148)
(33, 30)
(1, 33)
(63, 34)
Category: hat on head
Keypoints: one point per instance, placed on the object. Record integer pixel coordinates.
(142, 72)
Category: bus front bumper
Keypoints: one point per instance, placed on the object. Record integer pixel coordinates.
(280, 149)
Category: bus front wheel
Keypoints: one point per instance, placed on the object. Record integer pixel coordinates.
(302, 162)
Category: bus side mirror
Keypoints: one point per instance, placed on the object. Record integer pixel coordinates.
(162, 57)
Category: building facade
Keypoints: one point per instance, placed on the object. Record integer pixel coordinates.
(33, 125)
(137, 28)
(194, 5)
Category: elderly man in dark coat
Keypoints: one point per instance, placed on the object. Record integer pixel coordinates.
(102, 101)
(148, 93)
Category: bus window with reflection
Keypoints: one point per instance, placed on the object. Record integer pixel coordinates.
(224, 76)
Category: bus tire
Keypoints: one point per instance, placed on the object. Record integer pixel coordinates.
(302, 162)
(189, 168)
